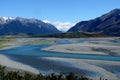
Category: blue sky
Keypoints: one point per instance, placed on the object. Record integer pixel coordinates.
(57, 10)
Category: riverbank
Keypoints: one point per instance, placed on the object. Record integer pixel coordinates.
(7, 43)
(16, 66)
(93, 69)
(96, 68)
(46, 62)
(99, 46)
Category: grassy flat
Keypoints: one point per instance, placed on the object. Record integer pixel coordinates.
(7, 40)
(39, 42)
(3, 46)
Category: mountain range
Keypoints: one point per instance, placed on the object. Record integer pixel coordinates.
(108, 24)
(18, 25)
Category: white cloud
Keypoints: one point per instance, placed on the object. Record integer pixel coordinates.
(62, 26)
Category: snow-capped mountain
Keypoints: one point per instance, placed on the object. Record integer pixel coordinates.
(18, 25)
(4, 19)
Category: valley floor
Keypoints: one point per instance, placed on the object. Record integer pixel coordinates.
(99, 46)
(93, 68)
(89, 67)
(16, 66)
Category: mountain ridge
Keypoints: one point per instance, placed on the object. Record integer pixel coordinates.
(108, 24)
(19, 25)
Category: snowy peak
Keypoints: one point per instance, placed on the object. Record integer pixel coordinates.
(19, 25)
(4, 19)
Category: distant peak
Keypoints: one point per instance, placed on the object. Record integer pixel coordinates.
(6, 18)
(115, 10)
(11, 18)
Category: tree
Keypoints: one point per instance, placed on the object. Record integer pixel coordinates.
(71, 76)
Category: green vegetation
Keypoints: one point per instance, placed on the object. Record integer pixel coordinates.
(4, 41)
(73, 35)
(3, 46)
(17, 75)
(42, 41)
(7, 40)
